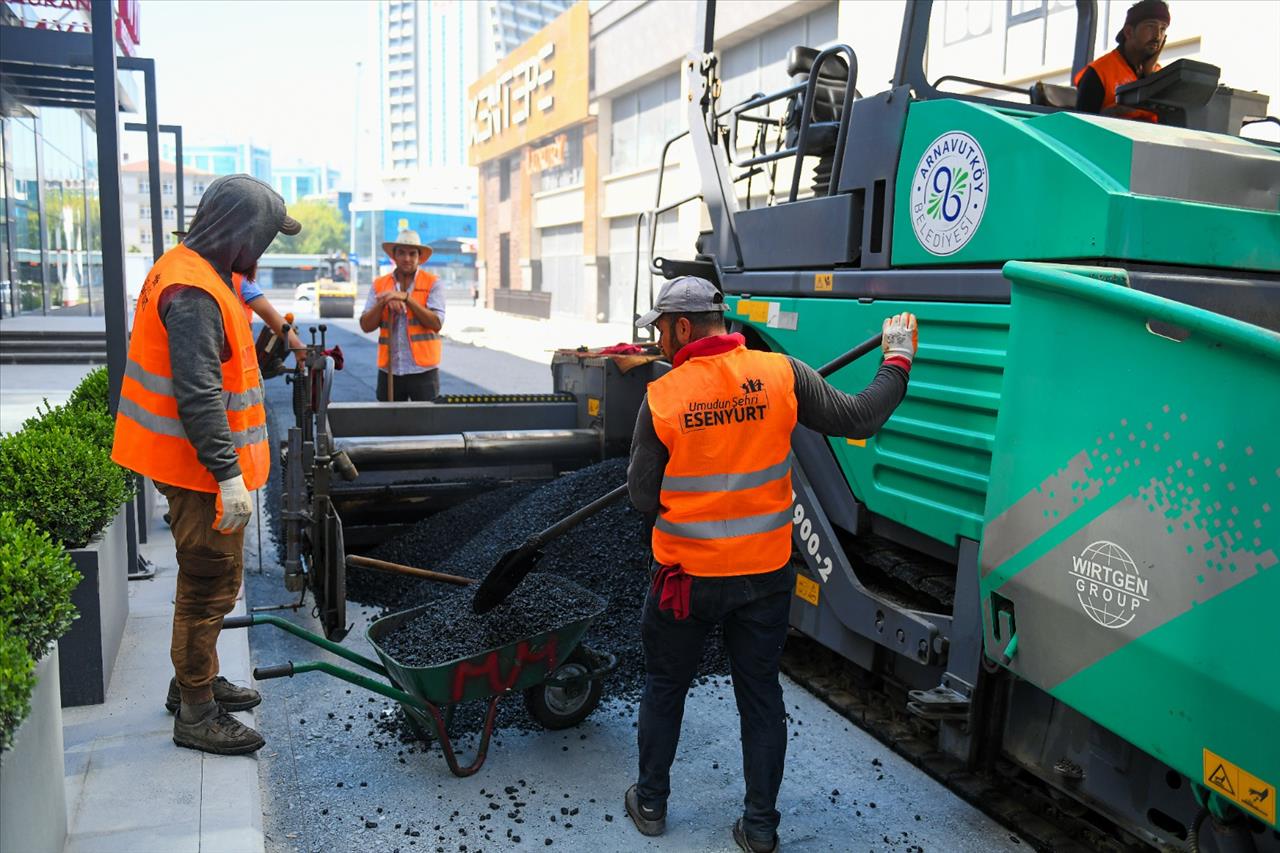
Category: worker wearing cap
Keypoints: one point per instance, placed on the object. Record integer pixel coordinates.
(710, 461)
(407, 308)
(192, 417)
(1136, 55)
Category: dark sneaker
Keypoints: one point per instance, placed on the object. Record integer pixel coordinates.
(232, 697)
(649, 821)
(219, 733)
(753, 845)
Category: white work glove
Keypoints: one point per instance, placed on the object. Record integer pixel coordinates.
(234, 506)
(901, 337)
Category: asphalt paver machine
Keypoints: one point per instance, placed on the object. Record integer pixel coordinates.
(358, 473)
(1062, 548)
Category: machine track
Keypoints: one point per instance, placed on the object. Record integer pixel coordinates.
(999, 789)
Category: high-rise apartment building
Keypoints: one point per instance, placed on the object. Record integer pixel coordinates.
(429, 51)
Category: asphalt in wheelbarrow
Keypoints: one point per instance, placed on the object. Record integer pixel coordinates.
(608, 554)
(448, 630)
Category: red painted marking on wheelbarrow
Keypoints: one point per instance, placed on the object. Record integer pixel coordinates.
(490, 667)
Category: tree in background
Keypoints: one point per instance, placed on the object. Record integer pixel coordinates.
(323, 231)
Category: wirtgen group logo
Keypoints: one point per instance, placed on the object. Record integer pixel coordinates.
(1108, 585)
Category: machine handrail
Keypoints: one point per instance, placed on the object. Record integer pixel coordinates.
(986, 84)
(842, 135)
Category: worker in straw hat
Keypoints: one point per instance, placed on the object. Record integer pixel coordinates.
(407, 308)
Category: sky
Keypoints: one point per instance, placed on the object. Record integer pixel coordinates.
(279, 74)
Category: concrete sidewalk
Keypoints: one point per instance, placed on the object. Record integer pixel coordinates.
(129, 788)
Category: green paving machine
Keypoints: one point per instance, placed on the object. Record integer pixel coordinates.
(1062, 548)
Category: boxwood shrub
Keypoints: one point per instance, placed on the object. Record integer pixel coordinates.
(17, 680)
(62, 478)
(36, 580)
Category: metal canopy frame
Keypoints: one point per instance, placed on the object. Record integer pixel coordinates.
(47, 68)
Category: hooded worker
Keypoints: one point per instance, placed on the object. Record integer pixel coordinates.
(192, 418)
(711, 463)
(1137, 54)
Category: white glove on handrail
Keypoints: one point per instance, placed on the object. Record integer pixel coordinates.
(234, 506)
(901, 337)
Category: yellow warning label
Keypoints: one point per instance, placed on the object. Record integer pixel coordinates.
(1255, 796)
(756, 311)
(857, 442)
(593, 407)
(823, 280)
(807, 589)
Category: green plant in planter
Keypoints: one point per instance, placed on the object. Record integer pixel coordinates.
(86, 419)
(17, 680)
(94, 390)
(36, 581)
(62, 479)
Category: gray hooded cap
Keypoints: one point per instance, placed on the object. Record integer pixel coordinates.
(236, 221)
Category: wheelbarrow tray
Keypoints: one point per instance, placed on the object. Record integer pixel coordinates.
(517, 665)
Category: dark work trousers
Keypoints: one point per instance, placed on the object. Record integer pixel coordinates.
(753, 612)
(210, 566)
(411, 387)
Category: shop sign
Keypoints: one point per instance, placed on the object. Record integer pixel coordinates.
(538, 89)
(76, 16)
(548, 156)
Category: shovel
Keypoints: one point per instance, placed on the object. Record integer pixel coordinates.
(512, 567)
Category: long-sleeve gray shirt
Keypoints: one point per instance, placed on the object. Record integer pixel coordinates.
(198, 347)
(819, 406)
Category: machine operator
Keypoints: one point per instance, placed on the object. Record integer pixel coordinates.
(407, 308)
(1137, 54)
(192, 418)
(710, 461)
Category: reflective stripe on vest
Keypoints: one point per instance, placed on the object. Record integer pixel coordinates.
(425, 346)
(150, 437)
(720, 514)
(1114, 71)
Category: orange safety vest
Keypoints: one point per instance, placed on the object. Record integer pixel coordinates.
(1114, 71)
(725, 503)
(425, 344)
(150, 438)
(236, 281)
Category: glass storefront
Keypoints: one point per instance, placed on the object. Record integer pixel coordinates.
(50, 242)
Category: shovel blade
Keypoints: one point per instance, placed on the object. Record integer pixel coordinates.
(504, 577)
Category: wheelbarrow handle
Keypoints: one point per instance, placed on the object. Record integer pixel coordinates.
(280, 670)
(303, 634)
(244, 621)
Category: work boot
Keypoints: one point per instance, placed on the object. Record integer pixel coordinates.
(753, 845)
(649, 821)
(216, 731)
(232, 697)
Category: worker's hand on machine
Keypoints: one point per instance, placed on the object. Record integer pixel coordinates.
(234, 505)
(901, 336)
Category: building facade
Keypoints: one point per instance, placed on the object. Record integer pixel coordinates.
(135, 202)
(565, 202)
(243, 158)
(429, 52)
(294, 183)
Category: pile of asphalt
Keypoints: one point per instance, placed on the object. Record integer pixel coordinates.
(608, 554)
(448, 630)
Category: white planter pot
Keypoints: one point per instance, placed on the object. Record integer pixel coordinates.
(89, 649)
(33, 800)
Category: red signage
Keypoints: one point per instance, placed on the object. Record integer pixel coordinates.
(74, 16)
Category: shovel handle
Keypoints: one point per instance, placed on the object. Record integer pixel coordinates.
(396, 568)
(573, 520)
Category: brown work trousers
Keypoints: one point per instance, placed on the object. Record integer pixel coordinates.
(210, 567)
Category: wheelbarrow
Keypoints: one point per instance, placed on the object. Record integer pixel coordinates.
(561, 680)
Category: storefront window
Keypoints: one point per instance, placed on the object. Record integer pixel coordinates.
(643, 121)
(29, 278)
(556, 163)
(62, 182)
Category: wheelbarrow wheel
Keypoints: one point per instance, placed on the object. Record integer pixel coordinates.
(555, 707)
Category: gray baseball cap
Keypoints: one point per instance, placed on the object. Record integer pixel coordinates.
(687, 294)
